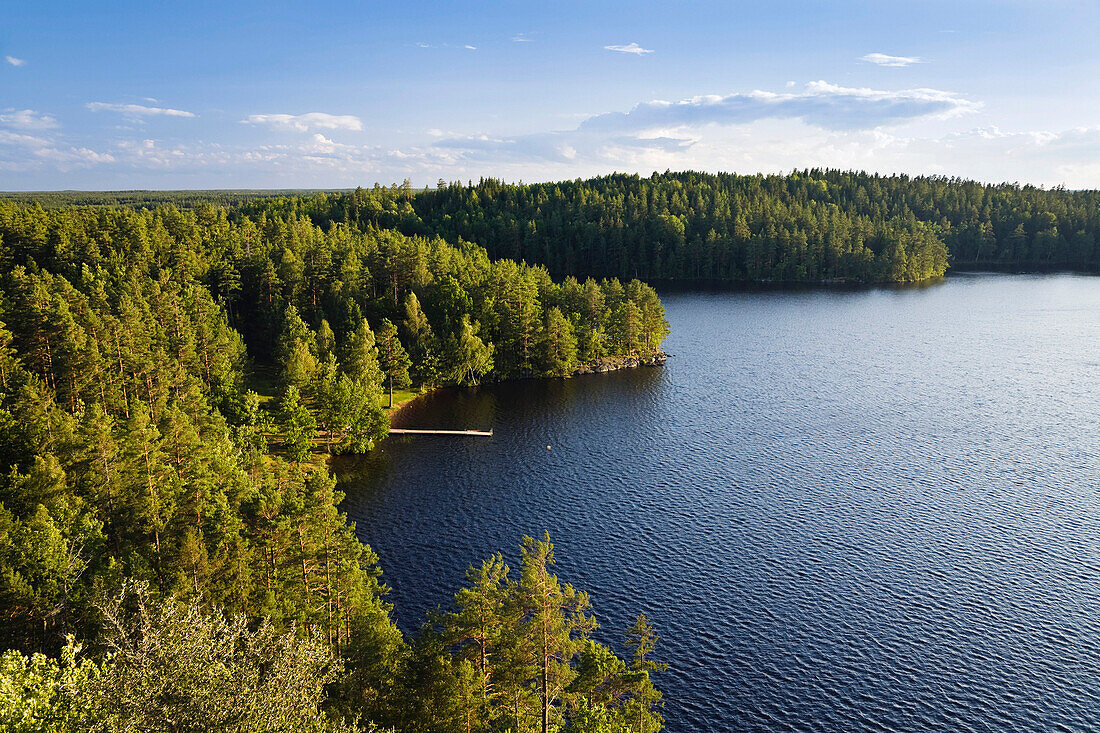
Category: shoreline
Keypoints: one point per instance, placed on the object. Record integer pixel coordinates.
(399, 407)
(607, 364)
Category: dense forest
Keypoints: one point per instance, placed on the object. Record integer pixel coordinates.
(172, 553)
(813, 225)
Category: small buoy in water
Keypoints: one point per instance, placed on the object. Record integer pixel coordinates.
(547, 447)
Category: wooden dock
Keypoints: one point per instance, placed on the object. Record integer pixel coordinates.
(414, 431)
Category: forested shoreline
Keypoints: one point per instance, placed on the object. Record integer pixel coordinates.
(808, 226)
(172, 553)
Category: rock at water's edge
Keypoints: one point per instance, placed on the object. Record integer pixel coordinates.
(611, 364)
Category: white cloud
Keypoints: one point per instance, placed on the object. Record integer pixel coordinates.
(816, 125)
(631, 47)
(27, 119)
(306, 122)
(18, 138)
(14, 61)
(1069, 157)
(466, 46)
(820, 104)
(521, 38)
(755, 129)
(21, 153)
(137, 110)
(75, 156)
(881, 59)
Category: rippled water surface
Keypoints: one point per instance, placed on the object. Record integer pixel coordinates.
(869, 510)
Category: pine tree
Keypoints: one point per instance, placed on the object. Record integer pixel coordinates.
(300, 367)
(392, 357)
(154, 490)
(558, 347)
(298, 425)
(555, 627)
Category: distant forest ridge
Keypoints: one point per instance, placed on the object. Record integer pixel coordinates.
(149, 199)
(810, 225)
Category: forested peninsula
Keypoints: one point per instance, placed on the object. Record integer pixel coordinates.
(172, 553)
(808, 226)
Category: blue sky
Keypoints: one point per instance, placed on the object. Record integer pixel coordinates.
(109, 95)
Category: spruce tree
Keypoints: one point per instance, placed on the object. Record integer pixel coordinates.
(361, 357)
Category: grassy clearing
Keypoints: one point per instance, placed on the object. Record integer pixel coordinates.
(401, 397)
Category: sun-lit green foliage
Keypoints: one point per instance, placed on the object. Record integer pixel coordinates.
(39, 694)
(174, 667)
(168, 380)
(516, 653)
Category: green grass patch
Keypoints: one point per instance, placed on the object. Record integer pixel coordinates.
(401, 397)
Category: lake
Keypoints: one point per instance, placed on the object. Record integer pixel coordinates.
(872, 509)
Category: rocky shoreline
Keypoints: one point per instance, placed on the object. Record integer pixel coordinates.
(611, 364)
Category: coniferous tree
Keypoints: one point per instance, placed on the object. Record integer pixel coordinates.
(558, 352)
(133, 448)
(298, 425)
(361, 357)
(392, 358)
(326, 341)
(555, 627)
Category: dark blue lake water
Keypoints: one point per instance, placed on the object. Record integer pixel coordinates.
(858, 510)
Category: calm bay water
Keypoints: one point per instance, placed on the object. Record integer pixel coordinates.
(858, 510)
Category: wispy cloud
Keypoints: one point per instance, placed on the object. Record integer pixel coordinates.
(521, 38)
(666, 133)
(466, 46)
(137, 110)
(18, 138)
(882, 59)
(820, 104)
(27, 119)
(767, 145)
(14, 61)
(307, 122)
(20, 152)
(631, 47)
